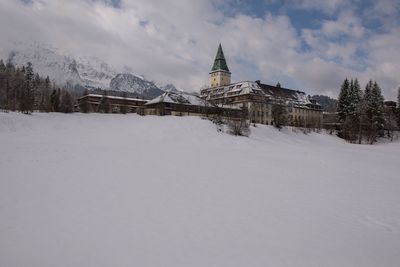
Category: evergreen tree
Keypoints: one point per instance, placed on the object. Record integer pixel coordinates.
(47, 82)
(17, 84)
(38, 89)
(123, 108)
(27, 98)
(104, 105)
(351, 124)
(398, 108)
(46, 95)
(354, 97)
(37, 80)
(2, 66)
(67, 105)
(3, 86)
(55, 100)
(42, 104)
(23, 89)
(343, 101)
(84, 105)
(374, 111)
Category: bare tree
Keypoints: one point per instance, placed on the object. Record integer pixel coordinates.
(279, 115)
(239, 126)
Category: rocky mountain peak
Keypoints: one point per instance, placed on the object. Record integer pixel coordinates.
(80, 71)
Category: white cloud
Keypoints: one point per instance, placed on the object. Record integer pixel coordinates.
(345, 24)
(328, 7)
(175, 41)
(342, 40)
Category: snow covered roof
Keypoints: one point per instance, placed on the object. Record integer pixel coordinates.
(228, 106)
(290, 96)
(240, 88)
(114, 97)
(178, 97)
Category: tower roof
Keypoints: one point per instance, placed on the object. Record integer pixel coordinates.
(220, 62)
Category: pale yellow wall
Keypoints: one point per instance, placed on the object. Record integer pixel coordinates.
(220, 78)
(151, 111)
(260, 112)
(178, 113)
(156, 111)
(306, 115)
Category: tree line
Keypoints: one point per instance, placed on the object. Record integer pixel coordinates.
(21, 89)
(362, 114)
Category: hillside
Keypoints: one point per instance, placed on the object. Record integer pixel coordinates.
(124, 190)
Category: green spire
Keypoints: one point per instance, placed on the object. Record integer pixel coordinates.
(220, 62)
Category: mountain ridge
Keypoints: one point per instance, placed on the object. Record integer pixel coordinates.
(81, 72)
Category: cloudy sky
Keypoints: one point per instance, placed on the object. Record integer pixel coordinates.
(310, 45)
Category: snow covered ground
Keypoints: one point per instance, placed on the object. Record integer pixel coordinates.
(123, 190)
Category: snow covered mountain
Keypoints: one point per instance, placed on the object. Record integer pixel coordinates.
(169, 88)
(61, 68)
(129, 82)
(82, 71)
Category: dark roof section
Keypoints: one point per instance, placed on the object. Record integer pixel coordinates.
(220, 62)
(295, 97)
(279, 92)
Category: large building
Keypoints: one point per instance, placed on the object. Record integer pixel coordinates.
(186, 104)
(133, 105)
(258, 98)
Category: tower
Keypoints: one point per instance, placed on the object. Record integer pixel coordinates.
(220, 74)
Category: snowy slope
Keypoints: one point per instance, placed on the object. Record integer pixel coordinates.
(115, 190)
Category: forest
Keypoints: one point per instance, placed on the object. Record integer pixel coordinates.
(21, 89)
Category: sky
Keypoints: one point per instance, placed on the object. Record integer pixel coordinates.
(309, 45)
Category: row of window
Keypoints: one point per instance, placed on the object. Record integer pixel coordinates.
(220, 74)
(260, 114)
(304, 111)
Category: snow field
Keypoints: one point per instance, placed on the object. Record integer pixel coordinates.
(125, 190)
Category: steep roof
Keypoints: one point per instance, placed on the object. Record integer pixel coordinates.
(274, 93)
(220, 62)
(292, 97)
(240, 88)
(278, 92)
(178, 97)
(114, 97)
